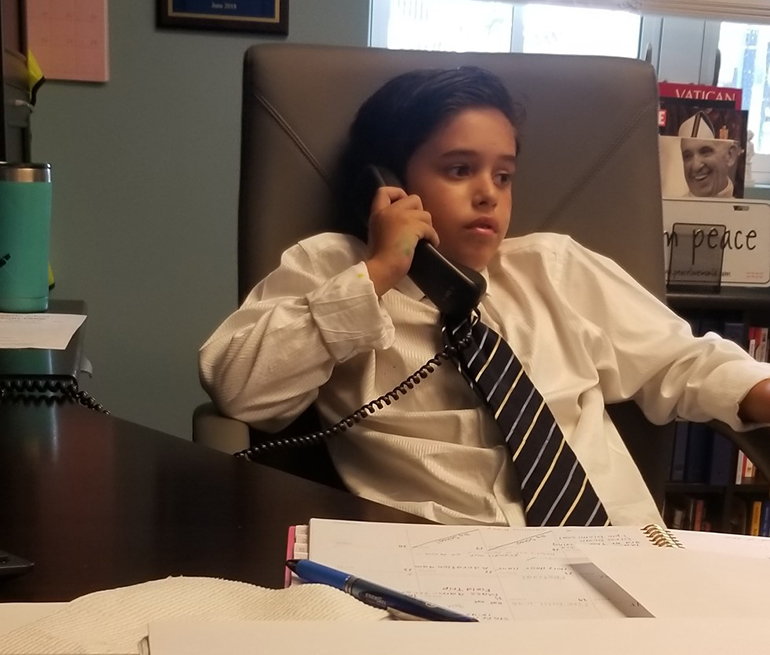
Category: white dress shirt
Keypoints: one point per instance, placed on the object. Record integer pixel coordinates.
(585, 332)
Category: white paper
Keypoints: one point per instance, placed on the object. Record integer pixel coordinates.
(490, 573)
(727, 544)
(629, 636)
(680, 583)
(45, 331)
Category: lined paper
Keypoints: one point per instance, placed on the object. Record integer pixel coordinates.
(491, 573)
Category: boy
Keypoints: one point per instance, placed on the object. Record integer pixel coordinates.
(339, 323)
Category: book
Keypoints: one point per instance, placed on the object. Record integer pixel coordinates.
(701, 92)
(761, 352)
(697, 521)
(764, 521)
(749, 470)
(722, 457)
(740, 467)
(687, 126)
(735, 331)
(679, 454)
(756, 515)
(489, 572)
(700, 441)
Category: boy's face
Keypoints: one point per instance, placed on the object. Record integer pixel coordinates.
(463, 175)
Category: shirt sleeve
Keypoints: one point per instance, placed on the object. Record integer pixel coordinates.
(646, 352)
(265, 363)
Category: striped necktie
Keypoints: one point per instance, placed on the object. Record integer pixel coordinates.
(554, 487)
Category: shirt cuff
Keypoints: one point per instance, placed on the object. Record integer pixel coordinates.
(349, 315)
(736, 379)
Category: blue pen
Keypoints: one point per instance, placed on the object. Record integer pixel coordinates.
(398, 604)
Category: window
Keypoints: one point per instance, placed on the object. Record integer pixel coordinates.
(744, 64)
(578, 31)
(456, 25)
(486, 26)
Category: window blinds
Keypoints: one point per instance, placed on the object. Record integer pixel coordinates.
(741, 11)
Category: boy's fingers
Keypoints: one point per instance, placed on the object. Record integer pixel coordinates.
(385, 197)
(431, 235)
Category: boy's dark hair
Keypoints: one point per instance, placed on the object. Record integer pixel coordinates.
(401, 115)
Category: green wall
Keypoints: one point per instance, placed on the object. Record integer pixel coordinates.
(145, 173)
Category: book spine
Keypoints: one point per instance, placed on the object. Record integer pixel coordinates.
(740, 467)
(736, 516)
(756, 516)
(722, 452)
(697, 523)
(680, 451)
(762, 347)
(736, 332)
(749, 470)
(699, 445)
(764, 522)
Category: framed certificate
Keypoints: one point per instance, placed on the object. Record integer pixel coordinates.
(239, 15)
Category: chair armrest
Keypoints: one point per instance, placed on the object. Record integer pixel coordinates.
(215, 431)
(755, 443)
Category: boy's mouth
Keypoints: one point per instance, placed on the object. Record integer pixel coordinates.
(484, 225)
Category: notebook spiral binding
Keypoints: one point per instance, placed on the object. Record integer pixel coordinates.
(660, 536)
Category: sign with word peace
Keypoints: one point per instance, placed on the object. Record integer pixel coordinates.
(739, 228)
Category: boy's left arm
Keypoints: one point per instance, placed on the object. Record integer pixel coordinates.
(647, 353)
(755, 407)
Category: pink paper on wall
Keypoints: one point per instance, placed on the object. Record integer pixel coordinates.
(69, 38)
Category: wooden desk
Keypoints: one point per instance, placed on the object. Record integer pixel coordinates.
(97, 502)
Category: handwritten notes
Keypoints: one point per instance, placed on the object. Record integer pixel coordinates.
(494, 574)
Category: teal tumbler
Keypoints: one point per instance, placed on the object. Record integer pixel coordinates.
(25, 229)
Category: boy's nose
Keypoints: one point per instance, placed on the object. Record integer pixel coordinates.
(486, 192)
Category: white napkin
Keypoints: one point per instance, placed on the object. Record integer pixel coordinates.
(115, 621)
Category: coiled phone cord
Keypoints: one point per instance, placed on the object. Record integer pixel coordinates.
(31, 390)
(253, 453)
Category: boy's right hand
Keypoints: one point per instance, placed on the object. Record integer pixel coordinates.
(396, 223)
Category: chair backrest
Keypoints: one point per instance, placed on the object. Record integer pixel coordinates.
(588, 168)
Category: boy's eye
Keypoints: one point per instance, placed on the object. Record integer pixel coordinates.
(459, 170)
(504, 178)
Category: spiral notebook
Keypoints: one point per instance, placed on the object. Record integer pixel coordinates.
(493, 573)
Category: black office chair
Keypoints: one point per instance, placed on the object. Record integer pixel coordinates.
(589, 168)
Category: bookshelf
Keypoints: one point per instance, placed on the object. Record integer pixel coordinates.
(726, 505)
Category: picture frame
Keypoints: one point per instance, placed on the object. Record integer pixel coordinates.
(266, 16)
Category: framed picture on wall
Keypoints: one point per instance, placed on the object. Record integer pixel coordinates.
(271, 16)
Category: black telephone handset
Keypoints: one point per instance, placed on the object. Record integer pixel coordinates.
(455, 289)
